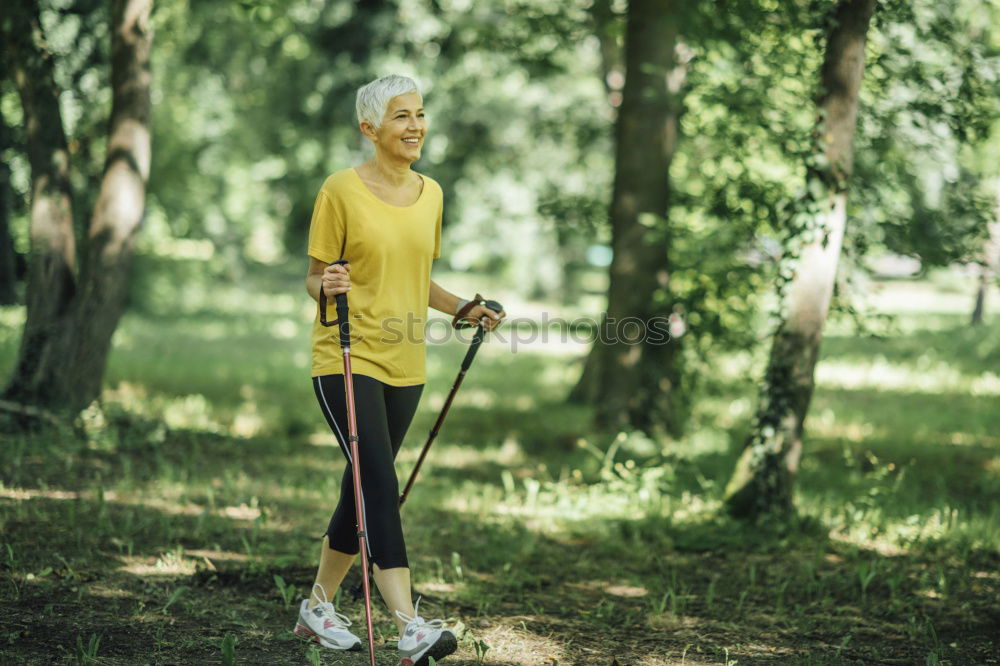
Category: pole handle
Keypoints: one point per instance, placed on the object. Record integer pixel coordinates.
(478, 336)
(342, 312)
(460, 322)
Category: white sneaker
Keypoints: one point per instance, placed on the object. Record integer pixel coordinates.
(324, 625)
(422, 639)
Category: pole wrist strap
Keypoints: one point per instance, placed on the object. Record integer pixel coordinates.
(463, 310)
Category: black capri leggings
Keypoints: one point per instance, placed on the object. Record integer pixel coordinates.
(383, 415)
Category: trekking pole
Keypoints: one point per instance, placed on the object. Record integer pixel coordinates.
(352, 430)
(477, 340)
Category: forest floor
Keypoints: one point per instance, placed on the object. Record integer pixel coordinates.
(184, 514)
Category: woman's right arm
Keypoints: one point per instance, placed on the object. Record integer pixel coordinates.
(332, 279)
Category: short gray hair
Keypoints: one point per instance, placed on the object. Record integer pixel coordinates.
(373, 98)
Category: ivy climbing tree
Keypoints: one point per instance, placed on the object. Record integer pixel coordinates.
(763, 481)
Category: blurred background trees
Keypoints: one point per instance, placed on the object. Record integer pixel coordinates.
(530, 104)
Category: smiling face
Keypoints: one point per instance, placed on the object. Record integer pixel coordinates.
(404, 126)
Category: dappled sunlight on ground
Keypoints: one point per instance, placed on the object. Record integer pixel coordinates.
(157, 502)
(27, 493)
(923, 296)
(552, 505)
(614, 589)
(169, 564)
(826, 424)
(108, 592)
(217, 555)
(508, 454)
(189, 412)
(936, 377)
(512, 640)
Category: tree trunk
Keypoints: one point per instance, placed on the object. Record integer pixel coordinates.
(990, 266)
(63, 369)
(629, 381)
(52, 254)
(763, 480)
(8, 258)
(120, 204)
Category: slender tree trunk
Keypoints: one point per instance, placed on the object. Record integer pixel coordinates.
(764, 476)
(631, 381)
(990, 266)
(8, 258)
(63, 369)
(981, 289)
(52, 253)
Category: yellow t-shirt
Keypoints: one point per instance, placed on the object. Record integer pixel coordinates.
(390, 249)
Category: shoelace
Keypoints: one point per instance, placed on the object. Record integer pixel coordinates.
(326, 608)
(420, 622)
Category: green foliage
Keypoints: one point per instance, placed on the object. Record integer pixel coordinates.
(264, 106)
(866, 573)
(174, 597)
(481, 649)
(287, 592)
(927, 104)
(228, 647)
(87, 655)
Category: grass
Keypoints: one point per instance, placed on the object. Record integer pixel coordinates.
(182, 526)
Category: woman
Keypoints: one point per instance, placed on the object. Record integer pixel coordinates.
(386, 220)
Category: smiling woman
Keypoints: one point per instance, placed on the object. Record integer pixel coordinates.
(386, 219)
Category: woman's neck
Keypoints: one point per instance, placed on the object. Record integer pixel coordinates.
(394, 174)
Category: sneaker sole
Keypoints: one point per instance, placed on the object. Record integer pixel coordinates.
(442, 648)
(302, 631)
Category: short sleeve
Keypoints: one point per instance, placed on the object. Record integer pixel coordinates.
(437, 232)
(327, 230)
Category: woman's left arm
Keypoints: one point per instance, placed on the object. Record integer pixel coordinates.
(443, 300)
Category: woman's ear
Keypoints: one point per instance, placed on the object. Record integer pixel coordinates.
(368, 130)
